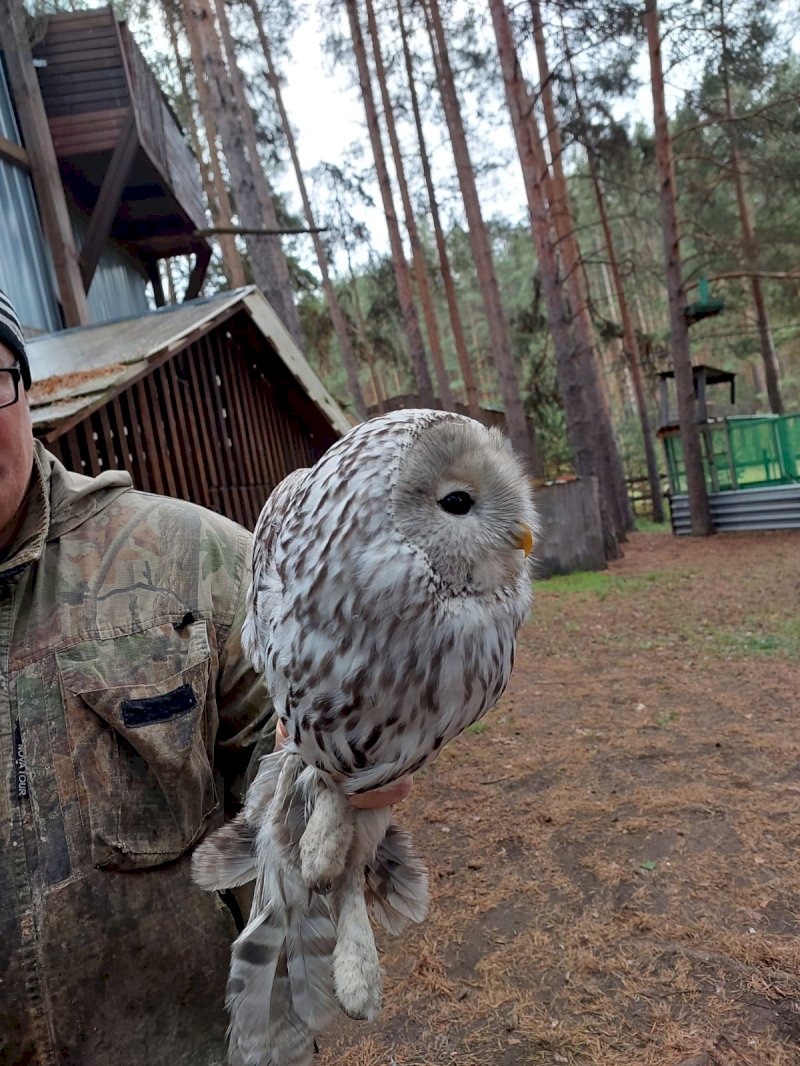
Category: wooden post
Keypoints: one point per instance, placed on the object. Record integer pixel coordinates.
(202, 257)
(151, 266)
(109, 198)
(44, 165)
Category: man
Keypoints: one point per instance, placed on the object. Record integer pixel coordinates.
(128, 718)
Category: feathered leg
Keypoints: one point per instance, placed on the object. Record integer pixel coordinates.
(327, 838)
(291, 958)
(356, 967)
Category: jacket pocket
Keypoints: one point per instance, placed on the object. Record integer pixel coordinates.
(138, 724)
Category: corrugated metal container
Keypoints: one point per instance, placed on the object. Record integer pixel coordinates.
(26, 272)
(769, 507)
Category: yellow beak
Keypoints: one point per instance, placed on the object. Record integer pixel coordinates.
(525, 541)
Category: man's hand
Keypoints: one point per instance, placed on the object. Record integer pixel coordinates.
(379, 797)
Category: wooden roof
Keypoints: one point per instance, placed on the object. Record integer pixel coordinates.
(77, 371)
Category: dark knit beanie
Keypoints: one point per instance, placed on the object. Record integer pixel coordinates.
(11, 336)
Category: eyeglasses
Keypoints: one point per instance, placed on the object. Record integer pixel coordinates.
(9, 385)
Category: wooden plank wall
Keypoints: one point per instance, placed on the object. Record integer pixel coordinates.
(572, 535)
(147, 101)
(85, 76)
(94, 72)
(207, 426)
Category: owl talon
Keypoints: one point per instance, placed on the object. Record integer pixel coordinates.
(357, 980)
(360, 1017)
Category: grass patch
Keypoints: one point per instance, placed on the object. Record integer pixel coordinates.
(476, 728)
(781, 638)
(600, 583)
(665, 719)
(647, 525)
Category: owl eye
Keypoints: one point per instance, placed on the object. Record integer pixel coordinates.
(456, 502)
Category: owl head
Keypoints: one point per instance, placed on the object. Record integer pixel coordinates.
(462, 498)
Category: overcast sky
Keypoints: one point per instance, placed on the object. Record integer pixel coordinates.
(328, 115)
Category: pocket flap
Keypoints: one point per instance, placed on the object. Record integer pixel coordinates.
(180, 701)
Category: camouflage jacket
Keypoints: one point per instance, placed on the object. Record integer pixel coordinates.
(127, 717)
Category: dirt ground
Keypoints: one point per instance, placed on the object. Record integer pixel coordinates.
(615, 853)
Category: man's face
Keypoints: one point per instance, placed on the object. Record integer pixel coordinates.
(16, 455)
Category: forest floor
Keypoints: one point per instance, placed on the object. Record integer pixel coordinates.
(615, 852)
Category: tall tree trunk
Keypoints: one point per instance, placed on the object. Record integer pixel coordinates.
(219, 203)
(679, 331)
(417, 251)
(772, 370)
(268, 264)
(402, 276)
(628, 332)
(481, 249)
(269, 217)
(377, 379)
(577, 285)
(378, 383)
(332, 300)
(470, 388)
(576, 368)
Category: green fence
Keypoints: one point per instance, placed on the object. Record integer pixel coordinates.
(741, 452)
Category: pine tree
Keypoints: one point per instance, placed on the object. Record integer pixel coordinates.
(456, 325)
(628, 332)
(417, 251)
(679, 330)
(214, 187)
(487, 278)
(332, 300)
(267, 261)
(577, 369)
(772, 371)
(575, 280)
(416, 348)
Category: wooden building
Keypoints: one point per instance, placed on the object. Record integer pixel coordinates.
(209, 401)
(122, 155)
(97, 181)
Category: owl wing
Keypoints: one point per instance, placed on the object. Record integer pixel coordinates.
(269, 523)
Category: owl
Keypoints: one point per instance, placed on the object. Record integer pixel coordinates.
(389, 583)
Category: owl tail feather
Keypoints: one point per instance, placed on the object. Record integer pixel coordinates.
(226, 859)
(280, 987)
(396, 883)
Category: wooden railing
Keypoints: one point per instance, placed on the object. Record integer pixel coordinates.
(160, 133)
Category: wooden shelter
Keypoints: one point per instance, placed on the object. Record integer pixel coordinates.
(209, 401)
(120, 149)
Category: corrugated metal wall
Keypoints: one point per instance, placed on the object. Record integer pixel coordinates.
(768, 507)
(26, 272)
(208, 425)
(118, 285)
